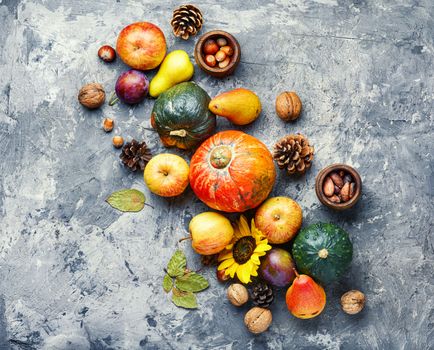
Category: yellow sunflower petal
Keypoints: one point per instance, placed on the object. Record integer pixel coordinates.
(244, 226)
(225, 255)
(262, 248)
(243, 273)
(225, 264)
(231, 270)
(254, 271)
(255, 259)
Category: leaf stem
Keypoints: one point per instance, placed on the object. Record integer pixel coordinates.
(113, 99)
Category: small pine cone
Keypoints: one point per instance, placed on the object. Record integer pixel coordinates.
(209, 260)
(187, 20)
(135, 155)
(293, 153)
(262, 295)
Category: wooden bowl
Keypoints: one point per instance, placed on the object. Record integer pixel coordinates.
(319, 182)
(216, 71)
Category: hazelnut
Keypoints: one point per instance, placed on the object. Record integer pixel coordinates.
(221, 276)
(210, 60)
(210, 47)
(222, 42)
(258, 319)
(352, 302)
(237, 294)
(229, 51)
(118, 141)
(108, 124)
(288, 106)
(92, 95)
(225, 63)
(220, 56)
(107, 53)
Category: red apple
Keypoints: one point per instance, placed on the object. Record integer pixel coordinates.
(279, 218)
(141, 45)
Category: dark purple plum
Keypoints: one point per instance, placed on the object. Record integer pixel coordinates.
(278, 268)
(132, 87)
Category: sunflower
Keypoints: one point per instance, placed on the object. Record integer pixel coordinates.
(241, 256)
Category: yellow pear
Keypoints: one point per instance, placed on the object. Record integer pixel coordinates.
(175, 69)
(240, 106)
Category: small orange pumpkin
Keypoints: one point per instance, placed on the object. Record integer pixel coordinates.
(232, 172)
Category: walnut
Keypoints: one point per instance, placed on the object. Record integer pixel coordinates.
(352, 302)
(258, 319)
(92, 95)
(237, 294)
(288, 106)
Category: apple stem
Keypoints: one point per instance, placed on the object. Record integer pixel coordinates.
(149, 205)
(184, 239)
(296, 273)
(113, 99)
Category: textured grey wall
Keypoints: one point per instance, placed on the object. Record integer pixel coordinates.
(75, 274)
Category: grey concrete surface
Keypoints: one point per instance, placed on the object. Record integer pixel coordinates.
(76, 274)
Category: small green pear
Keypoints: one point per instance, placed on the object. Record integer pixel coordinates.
(176, 68)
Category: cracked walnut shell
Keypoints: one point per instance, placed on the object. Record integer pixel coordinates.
(92, 95)
(352, 302)
(258, 319)
(288, 106)
(237, 294)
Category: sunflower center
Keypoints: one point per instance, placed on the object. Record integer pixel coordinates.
(243, 249)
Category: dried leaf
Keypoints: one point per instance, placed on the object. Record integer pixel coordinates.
(184, 299)
(191, 282)
(167, 283)
(177, 264)
(127, 200)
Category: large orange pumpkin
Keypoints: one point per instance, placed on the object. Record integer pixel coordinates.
(232, 172)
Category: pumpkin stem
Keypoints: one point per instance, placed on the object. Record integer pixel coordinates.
(184, 239)
(323, 253)
(180, 133)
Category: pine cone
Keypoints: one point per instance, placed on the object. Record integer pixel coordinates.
(293, 153)
(135, 155)
(262, 295)
(187, 20)
(209, 260)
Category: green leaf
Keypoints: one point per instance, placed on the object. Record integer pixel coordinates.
(191, 282)
(184, 299)
(167, 283)
(177, 264)
(127, 200)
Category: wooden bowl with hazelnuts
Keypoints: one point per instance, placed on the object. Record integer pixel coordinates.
(338, 186)
(217, 53)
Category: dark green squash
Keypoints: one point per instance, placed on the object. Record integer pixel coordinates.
(181, 116)
(322, 251)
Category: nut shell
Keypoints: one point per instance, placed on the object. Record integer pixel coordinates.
(118, 141)
(258, 319)
(92, 95)
(107, 53)
(237, 294)
(352, 302)
(288, 106)
(108, 124)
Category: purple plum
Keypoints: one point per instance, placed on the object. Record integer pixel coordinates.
(278, 268)
(132, 86)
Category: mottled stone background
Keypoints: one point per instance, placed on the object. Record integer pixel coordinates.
(76, 274)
